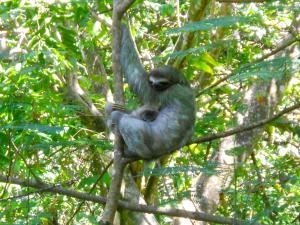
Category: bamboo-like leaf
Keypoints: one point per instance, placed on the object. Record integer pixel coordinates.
(210, 24)
(267, 70)
(192, 51)
(209, 168)
(38, 127)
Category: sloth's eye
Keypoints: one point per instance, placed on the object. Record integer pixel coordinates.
(164, 83)
(160, 86)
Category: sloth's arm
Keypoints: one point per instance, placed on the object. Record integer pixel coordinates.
(132, 67)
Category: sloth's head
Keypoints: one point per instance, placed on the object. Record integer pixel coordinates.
(162, 78)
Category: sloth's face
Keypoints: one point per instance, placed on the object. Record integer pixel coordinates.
(159, 83)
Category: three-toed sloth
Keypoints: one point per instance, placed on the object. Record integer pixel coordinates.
(166, 120)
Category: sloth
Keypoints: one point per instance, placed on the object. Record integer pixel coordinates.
(145, 113)
(165, 121)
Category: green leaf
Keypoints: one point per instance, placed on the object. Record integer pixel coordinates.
(192, 51)
(87, 181)
(210, 168)
(210, 24)
(166, 10)
(81, 216)
(106, 178)
(3, 160)
(68, 38)
(29, 69)
(208, 58)
(266, 70)
(36, 127)
(204, 67)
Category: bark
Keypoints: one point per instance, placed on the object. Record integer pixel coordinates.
(133, 195)
(119, 164)
(3, 43)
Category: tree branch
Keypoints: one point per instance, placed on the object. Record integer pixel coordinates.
(58, 189)
(242, 1)
(284, 45)
(271, 212)
(245, 128)
(18, 153)
(119, 164)
(81, 96)
(90, 191)
(122, 7)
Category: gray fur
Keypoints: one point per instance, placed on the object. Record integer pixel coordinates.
(174, 124)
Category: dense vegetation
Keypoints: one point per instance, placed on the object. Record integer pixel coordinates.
(242, 60)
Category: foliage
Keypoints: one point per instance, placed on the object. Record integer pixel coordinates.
(209, 24)
(46, 133)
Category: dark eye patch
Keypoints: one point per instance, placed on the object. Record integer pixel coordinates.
(164, 83)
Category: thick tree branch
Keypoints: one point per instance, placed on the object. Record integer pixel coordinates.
(81, 96)
(58, 189)
(122, 7)
(245, 128)
(119, 164)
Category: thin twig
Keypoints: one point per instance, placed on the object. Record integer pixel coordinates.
(91, 190)
(272, 214)
(18, 152)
